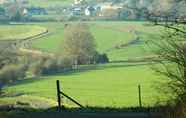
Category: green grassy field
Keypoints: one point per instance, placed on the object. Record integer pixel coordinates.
(112, 85)
(16, 32)
(108, 35)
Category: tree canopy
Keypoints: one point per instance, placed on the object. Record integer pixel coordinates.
(79, 43)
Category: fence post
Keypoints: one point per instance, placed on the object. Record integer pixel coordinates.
(139, 93)
(58, 95)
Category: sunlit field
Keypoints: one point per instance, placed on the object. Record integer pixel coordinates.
(114, 84)
(117, 39)
(17, 32)
(102, 86)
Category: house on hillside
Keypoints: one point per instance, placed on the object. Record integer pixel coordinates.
(108, 9)
(76, 11)
(110, 5)
(90, 11)
(24, 11)
(76, 2)
(36, 11)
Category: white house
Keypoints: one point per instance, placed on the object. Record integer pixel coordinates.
(109, 5)
(24, 11)
(87, 12)
(90, 10)
(78, 1)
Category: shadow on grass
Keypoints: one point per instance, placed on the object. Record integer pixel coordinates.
(88, 112)
(82, 69)
(113, 65)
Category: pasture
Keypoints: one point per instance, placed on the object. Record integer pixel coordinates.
(112, 85)
(107, 85)
(119, 40)
(17, 32)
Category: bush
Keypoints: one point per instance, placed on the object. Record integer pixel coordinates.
(36, 67)
(51, 65)
(65, 62)
(11, 73)
(55, 65)
(101, 58)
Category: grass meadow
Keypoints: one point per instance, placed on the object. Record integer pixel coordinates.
(16, 32)
(108, 36)
(107, 85)
(103, 86)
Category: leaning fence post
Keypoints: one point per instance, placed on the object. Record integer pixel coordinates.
(139, 93)
(58, 95)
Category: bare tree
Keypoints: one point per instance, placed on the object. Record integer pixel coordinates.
(79, 43)
(172, 54)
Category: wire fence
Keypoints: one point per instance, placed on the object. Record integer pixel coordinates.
(61, 95)
(92, 95)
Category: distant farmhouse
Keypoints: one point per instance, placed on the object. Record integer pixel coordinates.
(108, 9)
(80, 7)
(104, 10)
(91, 11)
(76, 11)
(36, 11)
(78, 1)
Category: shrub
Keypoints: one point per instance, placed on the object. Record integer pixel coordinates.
(55, 65)
(10, 73)
(36, 67)
(101, 58)
(51, 65)
(65, 62)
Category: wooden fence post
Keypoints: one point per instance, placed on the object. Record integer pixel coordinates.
(58, 95)
(140, 98)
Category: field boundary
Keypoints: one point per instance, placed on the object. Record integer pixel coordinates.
(27, 38)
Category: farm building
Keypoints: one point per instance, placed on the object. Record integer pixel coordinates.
(36, 11)
(90, 11)
(109, 6)
(76, 11)
(108, 9)
(78, 1)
